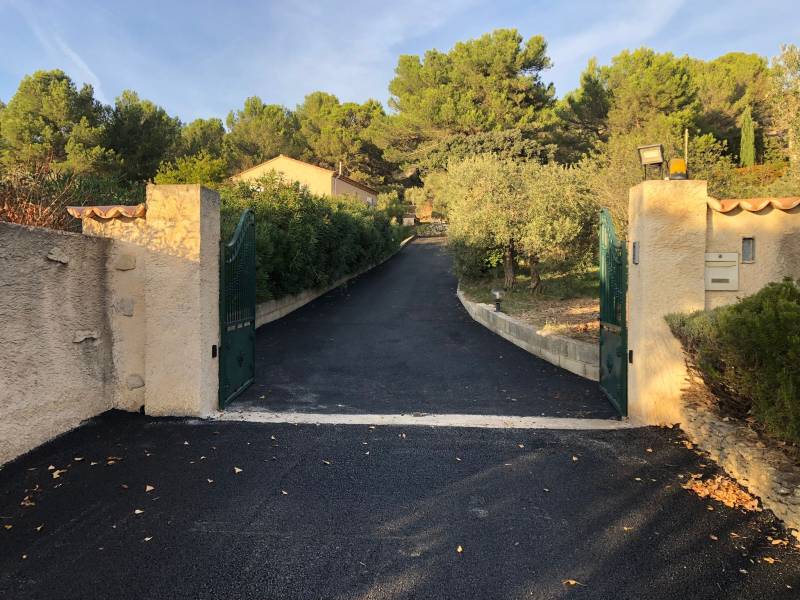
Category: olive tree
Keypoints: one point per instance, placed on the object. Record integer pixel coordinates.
(486, 207)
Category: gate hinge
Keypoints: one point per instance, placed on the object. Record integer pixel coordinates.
(630, 357)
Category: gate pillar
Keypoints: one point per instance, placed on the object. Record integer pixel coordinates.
(182, 290)
(667, 222)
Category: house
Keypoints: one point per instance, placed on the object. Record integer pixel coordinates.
(319, 180)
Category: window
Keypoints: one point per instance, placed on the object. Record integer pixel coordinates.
(748, 249)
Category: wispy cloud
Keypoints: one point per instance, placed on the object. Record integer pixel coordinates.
(55, 45)
(627, 27)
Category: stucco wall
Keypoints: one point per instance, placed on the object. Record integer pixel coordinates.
(668, 221)
(674, 225)
(316, 179)
(777, 243)
(343, 188)
(126, 305)
(57, 364)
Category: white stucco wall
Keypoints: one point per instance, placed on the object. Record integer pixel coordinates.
(668, 221)
(57, 368)
(674, 225)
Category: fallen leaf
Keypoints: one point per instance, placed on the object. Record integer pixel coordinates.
(574, 459)
(137, 511)
(626, 528)
(713, 537)
(546, 489)
(7, 527)
(185, 443)
(58, 473)
(769, 560)
(520, 445)
(780, 543)
(40, 527)
(459, 549)
(284, 492)
(24, 556)
(147, 539)
(572, 583)
(237, 470)
(148, 488)
(77, 458)
(649, 450)
(51, 468)
(326, 462)
(637, 478)
(124, 486)
(210, 480)
(743, 571)
(27, 501)
(458, 459)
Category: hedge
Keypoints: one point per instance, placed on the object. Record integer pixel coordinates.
(749, 354)
(304, 241)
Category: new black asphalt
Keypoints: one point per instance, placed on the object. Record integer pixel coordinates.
(397, 340)
(355, 512)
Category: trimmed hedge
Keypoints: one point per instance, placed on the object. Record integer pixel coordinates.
(304, 241)
(749, 353)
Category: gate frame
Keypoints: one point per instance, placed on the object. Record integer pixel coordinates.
(241, 313)
(613, 263)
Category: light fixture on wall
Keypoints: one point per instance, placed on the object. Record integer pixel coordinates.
(652, 154)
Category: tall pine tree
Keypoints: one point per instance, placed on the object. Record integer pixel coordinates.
(747, 149)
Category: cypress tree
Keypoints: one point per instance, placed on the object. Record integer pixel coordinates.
(747, 148)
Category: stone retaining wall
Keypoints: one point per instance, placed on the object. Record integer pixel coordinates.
(766, 472)
(581, 358)
(266, 312)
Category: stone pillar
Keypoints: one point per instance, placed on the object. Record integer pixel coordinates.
(182, 290)
(667, 220)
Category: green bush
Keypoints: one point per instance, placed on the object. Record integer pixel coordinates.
(750, 351)
(304, 241)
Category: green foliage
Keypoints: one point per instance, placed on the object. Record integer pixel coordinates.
(489, 84)
(583, 116)
(747, 146)
(337, 133)
(259, 132)
(305, 241)
(497, 208)
(48, 120)
(142, 135)
(785, 96)
(200, 168)
(749, 352)
(202, 135)
(392, 205)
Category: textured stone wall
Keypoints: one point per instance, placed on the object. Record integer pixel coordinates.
(57, 368)
(576, 356)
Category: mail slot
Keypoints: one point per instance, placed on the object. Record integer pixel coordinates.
(722, 271)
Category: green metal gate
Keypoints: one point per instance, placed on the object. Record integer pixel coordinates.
(237, 309)
(613, 327)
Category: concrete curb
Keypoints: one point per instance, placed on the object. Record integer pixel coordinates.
(266, 312)
(428, 420)
(581, 358)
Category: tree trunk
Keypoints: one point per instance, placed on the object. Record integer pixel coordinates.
(536, 279)
(508, 267)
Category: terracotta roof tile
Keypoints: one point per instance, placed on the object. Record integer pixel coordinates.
(107, 212)
(753, 204)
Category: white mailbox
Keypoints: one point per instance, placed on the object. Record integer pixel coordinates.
(722, 271)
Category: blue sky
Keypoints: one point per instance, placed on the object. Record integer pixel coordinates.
(202, 58)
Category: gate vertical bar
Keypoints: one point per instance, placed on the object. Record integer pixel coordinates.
(613, 314)
(237, 305)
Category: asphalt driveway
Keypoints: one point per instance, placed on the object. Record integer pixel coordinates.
(397, 340)
(241, 510)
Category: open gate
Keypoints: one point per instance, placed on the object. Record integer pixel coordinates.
(237, 310)
(613, 326)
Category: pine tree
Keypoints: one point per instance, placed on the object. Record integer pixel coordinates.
(747, 149)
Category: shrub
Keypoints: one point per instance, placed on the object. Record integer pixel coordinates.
(38, 195)
(749, 353)
(304, 241)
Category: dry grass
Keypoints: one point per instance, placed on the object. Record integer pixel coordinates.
(567, 305)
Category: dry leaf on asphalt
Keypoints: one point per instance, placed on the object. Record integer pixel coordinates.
(284, 492)
(147, 539)
(326, 462)
(769, 560)
(40, 527)
(574, 459)
(237, 470)
(148, 488)
(7, 527)
(459, 549)
(572, 583)
(210, 480)
(713, 537)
